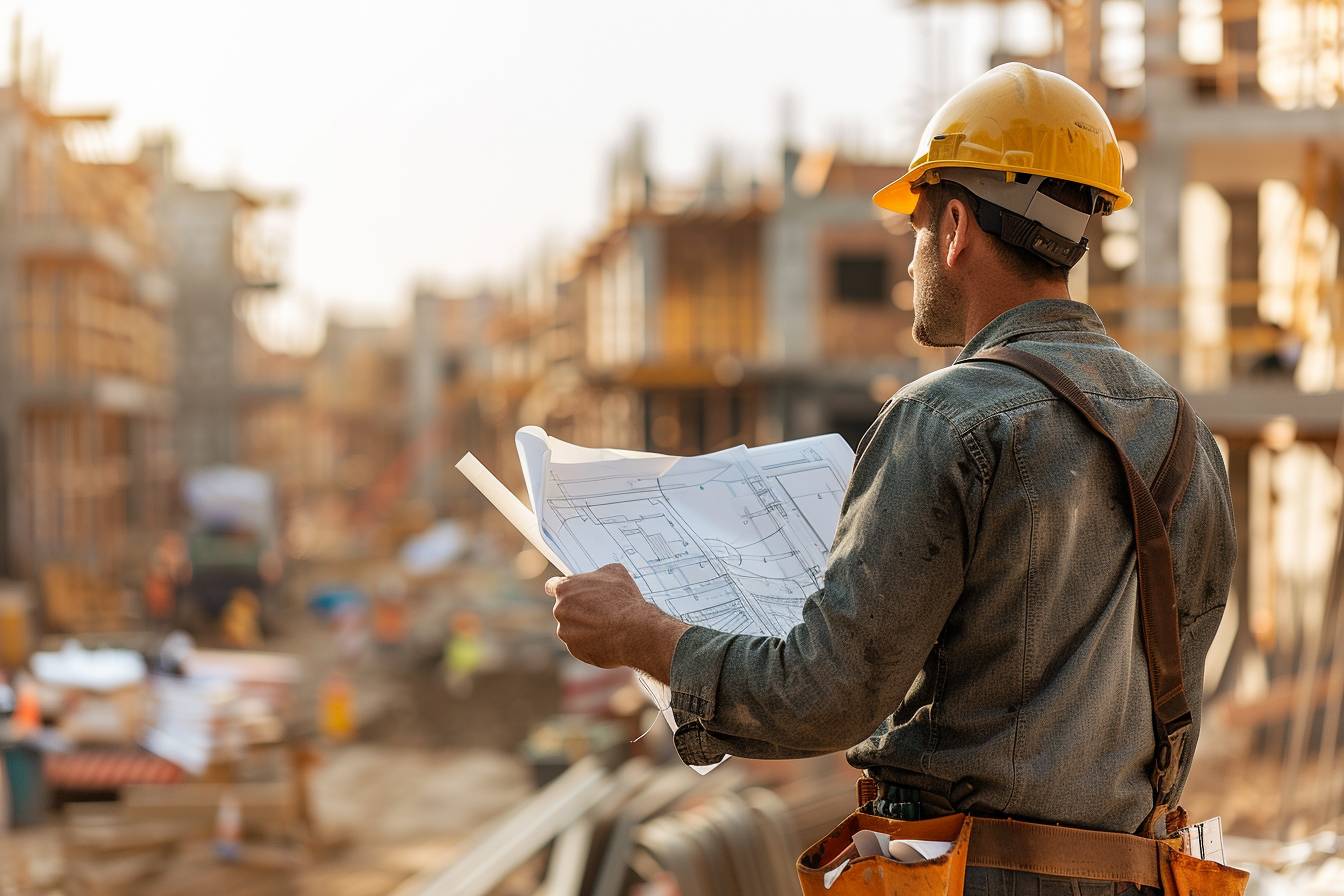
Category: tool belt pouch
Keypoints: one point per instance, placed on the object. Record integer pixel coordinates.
(1185, 875)
(879, 875)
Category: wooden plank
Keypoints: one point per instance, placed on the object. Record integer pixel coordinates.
(1275, 705)
(569, 858)
(517, 837)
(671, 785)
(266, 807)
(114, 833)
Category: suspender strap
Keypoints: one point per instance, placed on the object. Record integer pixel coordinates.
(1150, 511)
(1174, 474)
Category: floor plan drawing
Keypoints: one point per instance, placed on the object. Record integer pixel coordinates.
(812, 474)
(714, 540)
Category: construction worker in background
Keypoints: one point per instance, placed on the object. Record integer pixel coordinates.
(977, 645)
(463, 654)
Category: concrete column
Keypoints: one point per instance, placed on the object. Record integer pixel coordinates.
(426, 383)
(1239, 609)
(809, 415)
(791, 331)
(648, 264)
(772, 418)
(1156, 308)
(1161, 175)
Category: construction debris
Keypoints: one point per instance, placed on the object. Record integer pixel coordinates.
(604, 831)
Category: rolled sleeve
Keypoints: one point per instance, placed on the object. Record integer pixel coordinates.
(896, 569)
(696, 663)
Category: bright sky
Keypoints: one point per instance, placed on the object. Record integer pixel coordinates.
(451, 140)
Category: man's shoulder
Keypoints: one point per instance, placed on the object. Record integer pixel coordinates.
(966, 393)
(971, 391)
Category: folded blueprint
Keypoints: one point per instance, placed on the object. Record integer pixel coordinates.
(736, 540)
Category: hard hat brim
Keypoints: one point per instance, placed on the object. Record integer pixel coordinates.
(898, 196)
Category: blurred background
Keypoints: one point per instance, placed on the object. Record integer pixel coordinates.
(267, 270)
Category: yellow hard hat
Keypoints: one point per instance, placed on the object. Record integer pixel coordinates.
(1015, 118)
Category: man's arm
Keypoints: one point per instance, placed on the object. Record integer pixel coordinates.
(906, 533)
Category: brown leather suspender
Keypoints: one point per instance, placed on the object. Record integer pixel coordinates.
(1151, 512)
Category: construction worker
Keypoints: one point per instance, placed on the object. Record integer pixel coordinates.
(976, 645)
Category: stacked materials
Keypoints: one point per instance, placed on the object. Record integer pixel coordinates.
(662, 828)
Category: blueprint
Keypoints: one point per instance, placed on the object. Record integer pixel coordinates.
(735, 541)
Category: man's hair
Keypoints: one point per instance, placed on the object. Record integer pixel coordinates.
(1025, 263)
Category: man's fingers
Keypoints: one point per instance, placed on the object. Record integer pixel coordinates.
(552, 585)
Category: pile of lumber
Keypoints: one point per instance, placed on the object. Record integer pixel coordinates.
(123, 847)
(607, 832)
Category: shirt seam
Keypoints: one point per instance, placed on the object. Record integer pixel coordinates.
(981, 464)
(1029, 490)
(939, 686)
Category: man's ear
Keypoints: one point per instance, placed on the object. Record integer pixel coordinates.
(957, 225)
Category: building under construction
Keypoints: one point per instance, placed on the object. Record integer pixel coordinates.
(126, 356)
(85, 308)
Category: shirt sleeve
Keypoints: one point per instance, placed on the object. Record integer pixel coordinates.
(896, 569)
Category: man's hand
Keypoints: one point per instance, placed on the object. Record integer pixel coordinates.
(606, 622)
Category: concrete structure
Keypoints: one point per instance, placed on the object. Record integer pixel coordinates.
(216, 256)
(838, 310)
(87, 356)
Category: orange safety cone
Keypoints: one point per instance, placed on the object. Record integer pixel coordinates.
(27, 718)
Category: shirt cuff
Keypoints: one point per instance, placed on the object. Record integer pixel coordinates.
(694, 678)
(696, 746)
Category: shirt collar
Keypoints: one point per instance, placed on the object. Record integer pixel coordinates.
(1038, 316)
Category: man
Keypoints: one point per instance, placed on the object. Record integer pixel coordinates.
(976, 644)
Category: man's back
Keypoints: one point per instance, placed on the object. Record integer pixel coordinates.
(1034, 702)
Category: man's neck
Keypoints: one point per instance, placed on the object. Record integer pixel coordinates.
(993, 302)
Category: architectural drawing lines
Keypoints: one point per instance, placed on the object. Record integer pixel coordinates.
(735, 541)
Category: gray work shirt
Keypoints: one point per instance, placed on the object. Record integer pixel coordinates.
(976, 634)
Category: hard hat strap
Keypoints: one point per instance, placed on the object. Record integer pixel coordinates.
(1036, 238)
(1021, 194)
(1017, 213)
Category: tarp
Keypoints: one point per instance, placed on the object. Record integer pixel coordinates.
(230, 496)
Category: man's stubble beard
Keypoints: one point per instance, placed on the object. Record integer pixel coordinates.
(940, 313)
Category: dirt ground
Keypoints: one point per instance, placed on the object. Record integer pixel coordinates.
(380, 795)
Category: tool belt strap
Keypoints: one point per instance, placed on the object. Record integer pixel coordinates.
(1065, 852)
(1150, 511)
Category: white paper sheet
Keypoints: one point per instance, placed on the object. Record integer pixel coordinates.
(1204, 840)
(918, 850)
(714, 540)
(829, 878)
(875, 843)
(507, 503)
